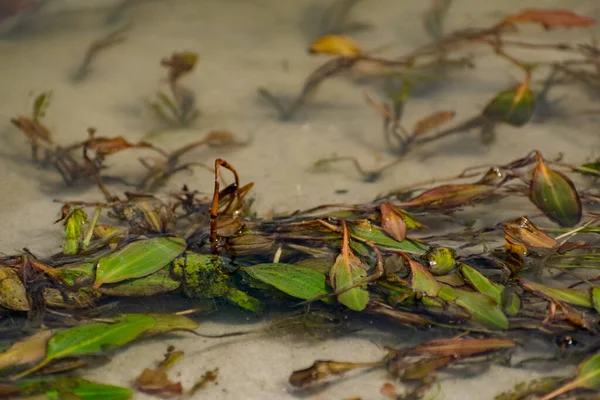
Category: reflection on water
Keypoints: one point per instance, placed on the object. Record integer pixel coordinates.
(128, 69)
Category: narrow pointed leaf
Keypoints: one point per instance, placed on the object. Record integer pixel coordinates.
(587, 376)
(596, 298)
(301, 282)
(481, 283)
(392, 222)
(481, 308)
(93, 338)
(367, 231)
(28, 351)
(71, 388)
(572, 296)
(337, 45)
(450, 196)
(555, 195)
(462, 347)
(138, 259)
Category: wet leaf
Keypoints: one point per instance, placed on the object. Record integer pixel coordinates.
(524, 232)
(421, 280)
(13, 295)
(549, 18)
(481, 308)
(104, 146)
(440, 260)
(336, 45)
(156, 382)
(64, 388)
(450, 196)
(432, 122)
(74, 223)
(27, 351)
(150, 285)
(567, 295)
(555, 195)
(164, 322)
(587, 376)
(323, 369)
(349, 270)
(481, 283)
(596, 298)
(535, 387)
(92, 338)
(514, 107)
(367, 231)
(301, 282)
(138, 259)
(392, 222)
(461, 347)
(426, 367)
(244, 300)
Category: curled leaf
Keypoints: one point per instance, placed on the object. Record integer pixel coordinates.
(336, 45)
(524, 232)
(392, 222)
(555, 195)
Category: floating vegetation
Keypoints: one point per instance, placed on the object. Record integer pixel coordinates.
(485, 290)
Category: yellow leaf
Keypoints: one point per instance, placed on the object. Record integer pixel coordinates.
(336, 45)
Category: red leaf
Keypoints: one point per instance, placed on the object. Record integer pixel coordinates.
(549, 18)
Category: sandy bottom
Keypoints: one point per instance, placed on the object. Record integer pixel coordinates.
(243, 45)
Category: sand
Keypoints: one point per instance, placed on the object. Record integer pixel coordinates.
(243, 45)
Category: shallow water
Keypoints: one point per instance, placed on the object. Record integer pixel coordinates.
(244, 45)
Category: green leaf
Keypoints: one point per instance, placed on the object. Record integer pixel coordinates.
(555, 195)
(301, 282)
(40, 105)
(422, 281)
(367, 231)
(596, 298)
(165, 322)
(93, 338)
(481, 283)
(481, 308)
(567, 295)
(156, 283)
(71, 387)
(138, 259)
(587, 376)
(514, 107)
(74, 224)
(244, 301)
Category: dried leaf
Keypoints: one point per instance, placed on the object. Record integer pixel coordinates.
(524, 232)
(392, 222)
(450, 196)
(431, 122)
(549, 18)
(27, 351)
(336, 45)
(555, 195)
(104, 146)
(460, 348)
(323, 369)
(156, 382)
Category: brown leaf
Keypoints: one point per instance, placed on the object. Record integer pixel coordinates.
(462, 347)
(549, 18)
(524, 232)
(156, 381)
(388, 390)
(392, 222)
(432, 121)
(451, 195)
(323, 369)
(104, 146)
